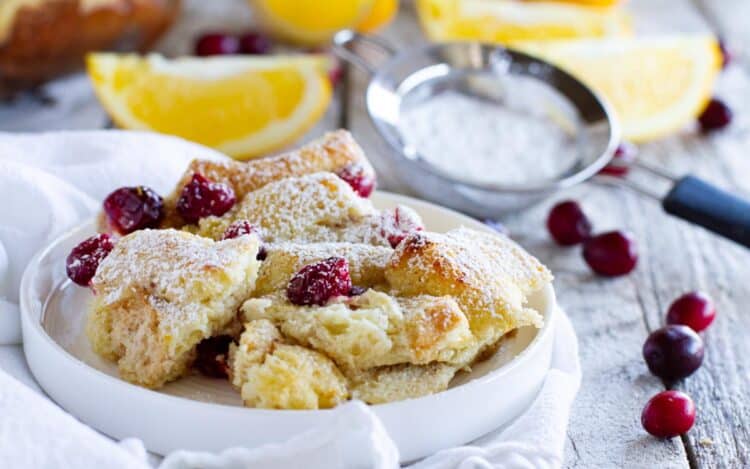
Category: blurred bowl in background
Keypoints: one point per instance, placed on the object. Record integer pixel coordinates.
(314, 22)
(42, 39)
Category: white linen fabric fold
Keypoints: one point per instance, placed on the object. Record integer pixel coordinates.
(51, 182)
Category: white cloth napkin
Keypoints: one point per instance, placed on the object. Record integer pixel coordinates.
(51, 182)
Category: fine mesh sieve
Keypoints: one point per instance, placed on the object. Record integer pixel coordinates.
(504, 78)
(534, 89)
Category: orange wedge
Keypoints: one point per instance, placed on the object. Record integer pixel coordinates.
(244, 106)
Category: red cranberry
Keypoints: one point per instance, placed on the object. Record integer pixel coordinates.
(211, 357)
(335, 74)
(85, 258)
(726, 54)
(317, 283)
(201, 198)
(216, 44)
(611, 254)
(668, 414)
(362, 182)
(624, 157)
(568, 224)
(239, 228)
(694, 309)
(255, 43)
(716, 116)
(133, 208)
(673, 352)
(397, 226)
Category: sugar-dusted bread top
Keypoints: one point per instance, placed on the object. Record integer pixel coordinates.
(273, 374)
(331, 153)
(366, 263)
(373, 329)
(305, 208)
(489, 275)
(314, 208)
(160, 292)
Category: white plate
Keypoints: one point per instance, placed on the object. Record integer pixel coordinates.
(199, 413)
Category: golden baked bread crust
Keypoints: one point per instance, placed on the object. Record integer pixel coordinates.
(42, 39)
(489, 275)
(399, 382)
(315, 208)
(373, 329)
(273, 374)
(160, 292)
(330, 153)
(283, 260)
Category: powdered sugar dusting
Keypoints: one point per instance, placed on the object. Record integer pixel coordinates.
(177, 272)
(316, 208)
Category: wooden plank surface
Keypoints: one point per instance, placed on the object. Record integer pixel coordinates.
(613, 317)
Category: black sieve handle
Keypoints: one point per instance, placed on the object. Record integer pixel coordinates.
(699, 202)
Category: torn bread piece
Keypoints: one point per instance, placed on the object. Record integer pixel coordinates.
(373, 329)
(273, 374)
(334, 152)
(489, 275)
(160, 292)
(315, 208)
(399, 382)
(283, 260)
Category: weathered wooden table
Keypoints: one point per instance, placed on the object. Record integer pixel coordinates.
(612, 317)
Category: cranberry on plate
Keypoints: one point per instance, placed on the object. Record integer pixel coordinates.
(201, 198)
(624, 157)
(85, 258)
(668, 414)
(217, 44)
(397, 225)
(694, 309)
(317, 283)
(673, 352)
(211, 358)
(133, 208)
(239, 228)
(611, 254)
(715, 116)
(355, 175)
(567, 224)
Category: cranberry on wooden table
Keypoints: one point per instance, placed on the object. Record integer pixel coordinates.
(625, 155)
(217, 44)
(611, 254)
(673, 352)
(85, 258)
(201, 198)
(133, 208)
(567, 224)
(316, 284)
(694, 309)
(668, 414)
(715, 116)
